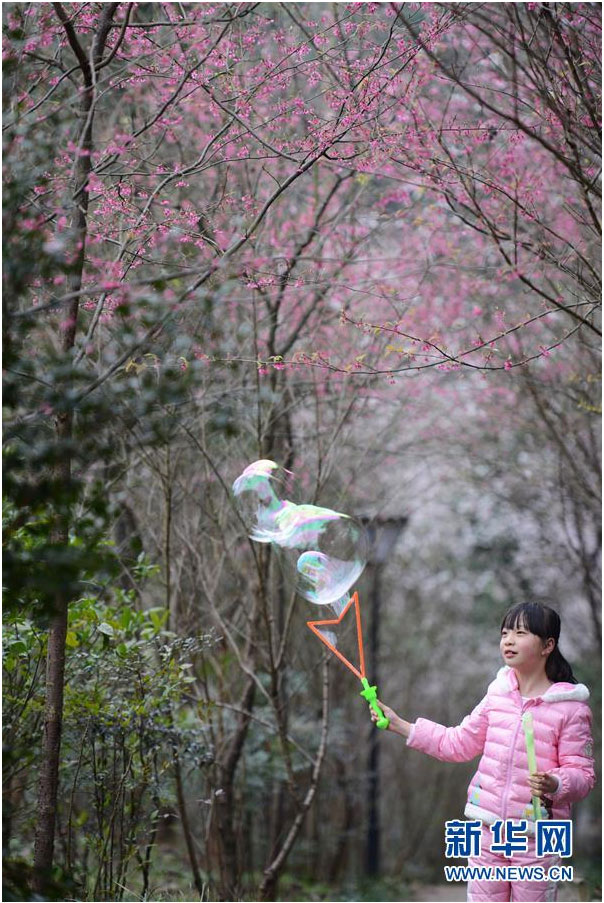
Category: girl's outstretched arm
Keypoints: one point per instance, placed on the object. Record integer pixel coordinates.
(449, 744)
(452, 744)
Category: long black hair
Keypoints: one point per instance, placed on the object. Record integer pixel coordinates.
(544, 622)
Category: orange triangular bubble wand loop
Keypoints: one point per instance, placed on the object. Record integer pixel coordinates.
(369, 693)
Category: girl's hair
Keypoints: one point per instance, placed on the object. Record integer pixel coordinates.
(544, 622)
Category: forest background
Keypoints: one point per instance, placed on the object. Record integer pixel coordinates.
(362, 240)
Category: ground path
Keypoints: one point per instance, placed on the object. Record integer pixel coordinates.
(452, 893)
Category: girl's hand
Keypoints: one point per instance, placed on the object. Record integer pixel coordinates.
(397, 725)
(542, 784)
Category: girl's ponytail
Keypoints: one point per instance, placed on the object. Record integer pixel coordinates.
(558, 669)
(544, 622)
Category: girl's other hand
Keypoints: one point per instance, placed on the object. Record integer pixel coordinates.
(397, 725)
(542, 784)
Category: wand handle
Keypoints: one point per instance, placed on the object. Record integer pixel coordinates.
(370, 694)
(529, 736)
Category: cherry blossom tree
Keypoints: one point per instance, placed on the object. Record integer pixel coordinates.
(307, 203)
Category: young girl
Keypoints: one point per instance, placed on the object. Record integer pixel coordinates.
(537, 679)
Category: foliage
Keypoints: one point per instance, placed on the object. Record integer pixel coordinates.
(128, 713)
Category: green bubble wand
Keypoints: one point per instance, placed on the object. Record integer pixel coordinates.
(529, 736)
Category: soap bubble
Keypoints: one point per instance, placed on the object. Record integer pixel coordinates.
(323, 552)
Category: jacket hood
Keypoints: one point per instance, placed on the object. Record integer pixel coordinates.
(558, 692)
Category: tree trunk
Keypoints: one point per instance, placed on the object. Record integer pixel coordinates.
(55, 657)
(51, 747)
(230, 869)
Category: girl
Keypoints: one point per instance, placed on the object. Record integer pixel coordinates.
(536, 678)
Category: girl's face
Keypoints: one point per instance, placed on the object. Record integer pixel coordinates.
(523, 650)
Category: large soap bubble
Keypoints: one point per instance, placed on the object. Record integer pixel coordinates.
(323, 552)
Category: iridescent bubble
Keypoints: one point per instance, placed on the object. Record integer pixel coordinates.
(323, 552)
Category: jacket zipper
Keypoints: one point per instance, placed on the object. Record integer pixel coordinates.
(511, 757)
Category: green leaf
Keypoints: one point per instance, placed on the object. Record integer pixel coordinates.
(71, 639)
(158, 617)
(106, 628)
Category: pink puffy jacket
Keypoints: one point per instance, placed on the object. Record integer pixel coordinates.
(500, 789)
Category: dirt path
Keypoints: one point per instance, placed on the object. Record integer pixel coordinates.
(439, 892)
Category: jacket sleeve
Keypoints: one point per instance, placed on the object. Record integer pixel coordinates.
(575, 749)
(452, 744)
